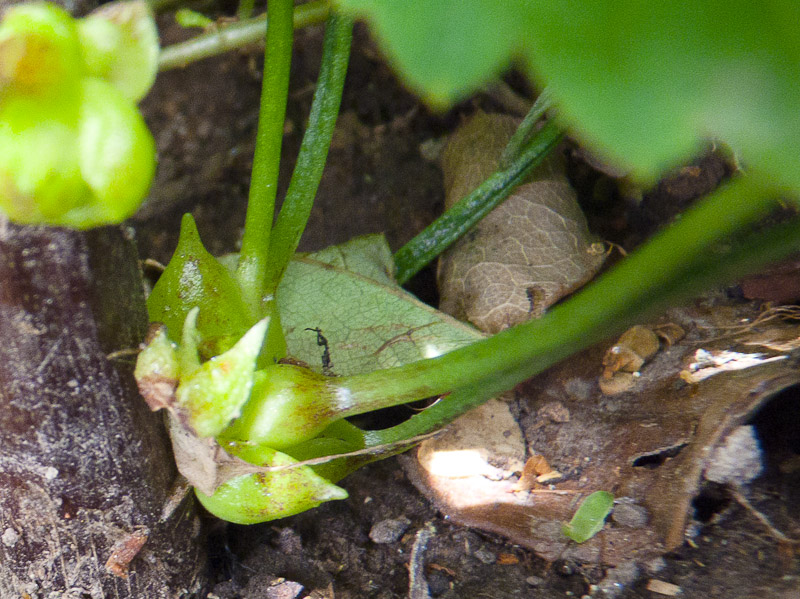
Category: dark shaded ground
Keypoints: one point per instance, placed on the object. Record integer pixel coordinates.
(204, 120)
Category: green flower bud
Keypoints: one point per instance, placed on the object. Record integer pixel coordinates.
(77, 162)
(40, 177)
(120, 45)
(39, 51)
(116, 155)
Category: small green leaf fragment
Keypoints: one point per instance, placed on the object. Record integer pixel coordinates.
(215, 393)
(264, 496)
(186, 17)
(590, 517)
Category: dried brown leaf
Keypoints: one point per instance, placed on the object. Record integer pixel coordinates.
(529, 252)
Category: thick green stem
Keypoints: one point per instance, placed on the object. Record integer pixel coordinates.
(252, 269)
(669, 267)
(299, 199)
(235, 35)
(465, 214)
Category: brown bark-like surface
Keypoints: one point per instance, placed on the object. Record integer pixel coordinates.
(85, 468)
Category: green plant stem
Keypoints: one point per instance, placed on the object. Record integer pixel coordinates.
(236, 35)
(669, 267)
(252, 268)
(445, 410)
(462, 216)
(161, 5)
(245, 9)
(307, 173)
(525, 130)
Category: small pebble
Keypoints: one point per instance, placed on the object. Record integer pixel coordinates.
(656, 565)
(284, 590)
(534, 581)
(10, 537)
(630, 515)
(617, 579)
(389, 531)
(662, 587)
(485, 556)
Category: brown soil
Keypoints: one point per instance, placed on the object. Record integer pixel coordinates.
(204, 119)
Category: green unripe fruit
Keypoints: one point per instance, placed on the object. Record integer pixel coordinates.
(288, 405)
(260, 497)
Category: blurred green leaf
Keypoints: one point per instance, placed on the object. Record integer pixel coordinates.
(186, 18)
(641, 83)
(645, 82)
(446, 49)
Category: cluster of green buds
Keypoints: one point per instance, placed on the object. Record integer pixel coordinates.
(74, 150)
(241, 418)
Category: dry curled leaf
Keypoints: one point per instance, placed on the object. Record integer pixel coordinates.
(529, 252)
(656, 448)
(124, 551)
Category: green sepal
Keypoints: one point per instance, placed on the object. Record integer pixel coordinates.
(289, 404)
(214, 393)
(158, 358)
(590, 517)
(119, 44)
(264, 496)
(194, 278)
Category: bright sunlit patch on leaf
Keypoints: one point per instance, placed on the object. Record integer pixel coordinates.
(432, 351)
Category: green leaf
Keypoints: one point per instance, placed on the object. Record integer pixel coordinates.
(590, 517)
(644, 82)
(344, 297)
(447, 49)
(260, 497)
(194, 278)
